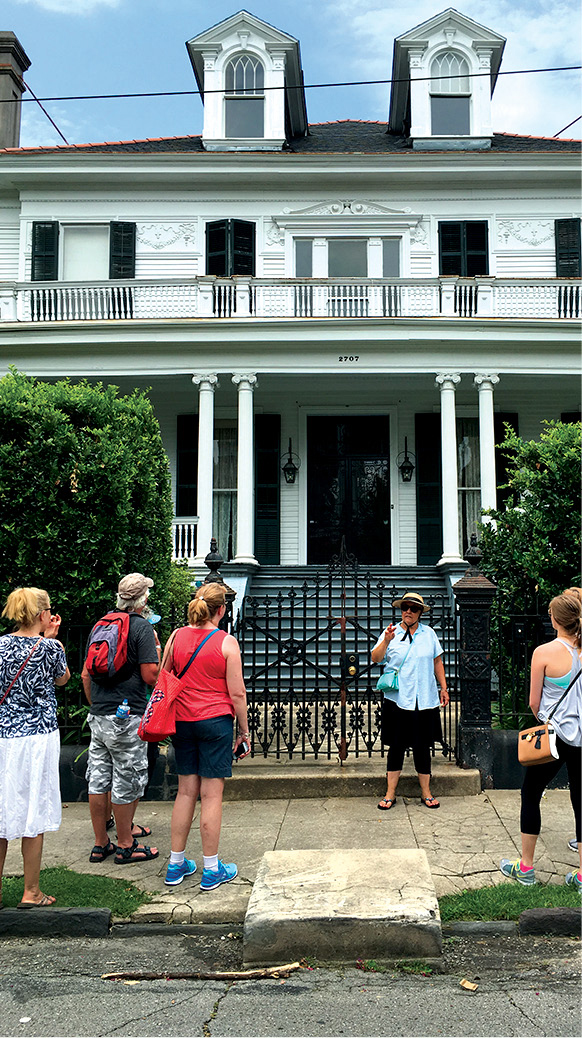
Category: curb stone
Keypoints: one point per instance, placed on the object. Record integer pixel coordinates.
(55, 922)
(481, 928)
(559, 922)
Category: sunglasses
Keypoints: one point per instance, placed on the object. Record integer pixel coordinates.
(408, 607)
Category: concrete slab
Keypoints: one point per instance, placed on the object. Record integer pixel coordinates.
(341, 905)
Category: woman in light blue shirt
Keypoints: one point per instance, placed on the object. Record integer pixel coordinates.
(410, 713)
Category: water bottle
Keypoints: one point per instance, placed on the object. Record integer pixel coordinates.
(123, 710)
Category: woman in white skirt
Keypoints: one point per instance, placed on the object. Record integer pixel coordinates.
(32, 662)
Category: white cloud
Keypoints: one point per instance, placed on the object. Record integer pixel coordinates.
(37, 132)
(537, 37)
(71, 6)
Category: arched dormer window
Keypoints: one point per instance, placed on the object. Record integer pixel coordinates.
(450, 90)
(244, 83)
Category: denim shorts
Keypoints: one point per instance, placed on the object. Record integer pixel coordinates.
(204, 748)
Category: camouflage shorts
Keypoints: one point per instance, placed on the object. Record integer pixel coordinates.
(118, 759)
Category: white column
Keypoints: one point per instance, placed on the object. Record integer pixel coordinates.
(447, 383)
(245, 483)
(485, 384)
(207, 384)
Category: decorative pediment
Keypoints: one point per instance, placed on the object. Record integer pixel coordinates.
(347, 216)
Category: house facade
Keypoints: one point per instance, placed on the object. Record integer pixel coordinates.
(335, 321)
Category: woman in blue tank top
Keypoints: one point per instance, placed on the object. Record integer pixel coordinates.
(553, 667)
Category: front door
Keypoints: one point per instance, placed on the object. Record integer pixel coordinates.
(348, 488)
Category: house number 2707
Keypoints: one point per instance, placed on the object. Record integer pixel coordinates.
(352, 359)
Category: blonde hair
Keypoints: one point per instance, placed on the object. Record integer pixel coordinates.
(566, 610)
(24, 605)
(205, 604)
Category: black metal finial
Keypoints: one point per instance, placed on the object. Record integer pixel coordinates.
(473, 556)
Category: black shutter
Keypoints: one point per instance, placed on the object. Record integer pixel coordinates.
(217, 251)
(568, 248)
(450, 248)
(267, 483)
(476, 248)
(45, 251)
(186, 464)
(570, 417)
(501, 462)
(429, 513)
(464, 248)
(121, 250)
(243, 247)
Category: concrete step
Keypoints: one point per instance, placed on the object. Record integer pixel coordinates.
(269, 779)
(341, 905)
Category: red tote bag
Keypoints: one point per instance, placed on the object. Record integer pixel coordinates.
(159, 719)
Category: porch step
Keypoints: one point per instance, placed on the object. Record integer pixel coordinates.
(340, 905)
(264, 779)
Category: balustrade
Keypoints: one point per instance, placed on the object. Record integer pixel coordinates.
(347, 298)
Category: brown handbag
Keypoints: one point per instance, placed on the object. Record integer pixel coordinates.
(537, 745)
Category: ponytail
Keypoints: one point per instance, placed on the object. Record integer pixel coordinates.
(206, 603)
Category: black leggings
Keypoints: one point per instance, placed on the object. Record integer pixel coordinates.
(420, 756)
(536, 780)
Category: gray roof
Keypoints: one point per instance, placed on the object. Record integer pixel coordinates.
(348, 136)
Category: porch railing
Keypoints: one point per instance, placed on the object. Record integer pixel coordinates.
(184, 537)
(242, 297)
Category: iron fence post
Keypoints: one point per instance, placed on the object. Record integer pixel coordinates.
(474, 595)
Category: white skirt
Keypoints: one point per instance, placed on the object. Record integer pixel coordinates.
(30, 794)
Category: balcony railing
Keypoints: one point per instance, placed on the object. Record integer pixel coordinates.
(242, 297)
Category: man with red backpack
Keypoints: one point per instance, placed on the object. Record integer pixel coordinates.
(121, 666)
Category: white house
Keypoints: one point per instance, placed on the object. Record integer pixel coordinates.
(346, 296)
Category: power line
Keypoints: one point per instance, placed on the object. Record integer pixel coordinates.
(301, 86)
(50, 119)
(568, 126)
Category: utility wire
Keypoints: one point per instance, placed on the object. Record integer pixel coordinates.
(568, 126)
(43, 109)
(299, 86)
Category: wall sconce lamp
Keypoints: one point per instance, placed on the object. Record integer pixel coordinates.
(291, 466)
(405, 463)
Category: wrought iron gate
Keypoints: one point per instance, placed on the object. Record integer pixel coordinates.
(306, 658)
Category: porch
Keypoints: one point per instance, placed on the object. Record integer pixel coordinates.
(209, 297)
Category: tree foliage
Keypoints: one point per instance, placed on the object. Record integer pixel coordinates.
(532, 552)
(84, 493)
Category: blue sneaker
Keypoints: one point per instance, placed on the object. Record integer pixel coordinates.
(573, 845)
(225, 873)
(573, 880)
(176, 873)
(513, 870)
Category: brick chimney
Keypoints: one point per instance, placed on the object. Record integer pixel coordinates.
(13, 64)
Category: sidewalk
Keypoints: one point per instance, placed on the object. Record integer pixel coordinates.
(464, 840)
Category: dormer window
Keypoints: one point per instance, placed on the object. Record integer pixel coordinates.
(450, 101)
(244, 97)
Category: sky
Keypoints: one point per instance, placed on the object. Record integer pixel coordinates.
(80, 47)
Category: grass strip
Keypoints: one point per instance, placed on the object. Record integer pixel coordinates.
(506, 901)
(80, 890)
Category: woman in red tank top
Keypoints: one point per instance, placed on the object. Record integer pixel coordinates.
(213, 695)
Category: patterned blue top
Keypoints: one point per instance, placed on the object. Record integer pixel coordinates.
(30, 707)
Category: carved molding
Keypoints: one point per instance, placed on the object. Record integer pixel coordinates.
(163, 235)
(207, 381)
(347, 207)
(245, 380)
(419, 236)
(527, 232)
(274, 235)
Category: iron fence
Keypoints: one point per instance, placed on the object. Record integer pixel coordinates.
(515, 635)
(310, 681)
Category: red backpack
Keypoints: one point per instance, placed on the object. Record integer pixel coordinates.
(107, 648)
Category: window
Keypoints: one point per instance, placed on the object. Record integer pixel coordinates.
(450, 96)
(90, 252)
(567, 248)
(186, 464)
(347, 257)
(391, 257)
(463, 248)
(230, 248)
(244, 84)
(303, 258)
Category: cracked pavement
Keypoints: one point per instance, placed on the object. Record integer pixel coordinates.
(464, 840)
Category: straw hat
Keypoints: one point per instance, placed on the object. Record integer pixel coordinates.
(415, 598)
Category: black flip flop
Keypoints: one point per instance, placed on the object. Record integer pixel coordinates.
(384, 801)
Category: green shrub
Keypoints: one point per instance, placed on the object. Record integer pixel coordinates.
(84, 493)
